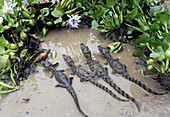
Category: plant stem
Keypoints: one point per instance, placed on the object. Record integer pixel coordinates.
(138, 29)
(6, 85)
(147, 44)
(167, 64)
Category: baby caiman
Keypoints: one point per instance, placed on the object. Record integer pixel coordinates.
(63, 81)
(99, 71)
(86, 76)
(117, 67)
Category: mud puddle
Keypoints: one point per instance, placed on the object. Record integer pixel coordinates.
(48, 101)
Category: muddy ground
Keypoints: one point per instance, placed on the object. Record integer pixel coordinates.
(48, 101)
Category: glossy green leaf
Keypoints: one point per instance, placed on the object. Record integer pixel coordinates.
(59, 20)
(79, 4)
(32, 2)
(2, 50)
(165, 45)
(163, 19)
(44, 31)
(4, 61)
(156, 9)
(132, 13)
(154, 27)
(144, 38)
(58, 11)
(138, 53)
(54, 54)
(45, 11)
(99, 12)
(3, 41)
(145, 28)
(95, 25)
(110, 3)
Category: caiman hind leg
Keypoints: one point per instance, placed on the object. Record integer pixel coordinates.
(60, 85)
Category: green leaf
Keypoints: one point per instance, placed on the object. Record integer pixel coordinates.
(53, 54)
(165, 45)
(45, 11)
(2, 50)
(1, 4)
(44, 31)
(58, 11)
(4, 62)
(136, 2)
(3, 41)
(110, 3)
(34, 65)
(100, 12)
(145, 28)
(155, 43)
(167, 37)
(125, 3)
(168, 11)
(59, 20)
(78, 4)
(132, 14)
(144, 38)
(32, 2)
(137, 53)
(154, 27)
(163, 18)
(95, 25)
(156, 9)
(23, 53)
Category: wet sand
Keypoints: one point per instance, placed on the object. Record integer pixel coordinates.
(48, 101)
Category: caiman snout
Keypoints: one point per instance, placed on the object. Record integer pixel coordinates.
(82, 46)
(102, 50)
(68, 60)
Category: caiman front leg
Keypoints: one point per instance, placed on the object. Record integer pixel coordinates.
(113, 71)
(51, 75)
(61, 70)
(107, 62)
(70, 80)
(73, 71)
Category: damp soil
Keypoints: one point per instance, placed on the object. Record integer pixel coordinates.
(48, 101)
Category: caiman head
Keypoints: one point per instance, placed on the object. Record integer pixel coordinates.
(46, 64)
(104, 51)
(68, 60)
(85, 50)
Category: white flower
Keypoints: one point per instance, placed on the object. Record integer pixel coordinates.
(73, 21)
(1, 20)
(7, 7)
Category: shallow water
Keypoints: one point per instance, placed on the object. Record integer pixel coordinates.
(48, 101)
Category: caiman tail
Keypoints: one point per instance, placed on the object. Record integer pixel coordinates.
(107, 90)
(73, 94)
(120, 91)
(128, 77)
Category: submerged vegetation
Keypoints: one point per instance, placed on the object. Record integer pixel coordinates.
(143, 23)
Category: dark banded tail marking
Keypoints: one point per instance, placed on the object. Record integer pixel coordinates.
(107, 90)
(139, 83)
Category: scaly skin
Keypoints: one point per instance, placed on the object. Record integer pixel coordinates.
(86, 76)
(117, 67)
(99, 71)
(63, 81)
